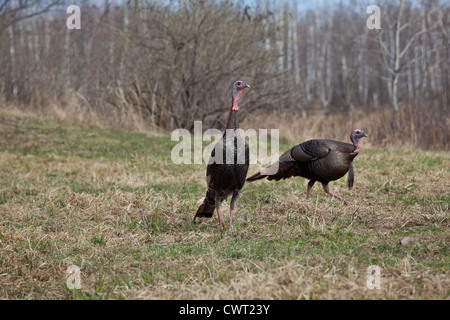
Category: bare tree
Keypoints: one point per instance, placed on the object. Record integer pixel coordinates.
(15, 11)
(393, 54)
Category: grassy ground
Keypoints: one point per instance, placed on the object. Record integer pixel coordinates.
(113, 204)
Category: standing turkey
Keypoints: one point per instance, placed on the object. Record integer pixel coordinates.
(228, 165)
(320, 160)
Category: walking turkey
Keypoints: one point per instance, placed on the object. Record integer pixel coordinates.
(225, 178)
(320, 160)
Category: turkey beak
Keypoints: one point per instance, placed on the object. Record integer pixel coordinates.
(365, 134)
(247, 86)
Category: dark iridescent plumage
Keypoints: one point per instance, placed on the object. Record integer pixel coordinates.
(225, 173)
(320, 160)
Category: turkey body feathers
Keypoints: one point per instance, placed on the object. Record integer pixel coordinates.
(225, 174)
(228, 164)
(224, 177)
(320, 160)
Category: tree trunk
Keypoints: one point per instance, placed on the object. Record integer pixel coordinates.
(397, 57)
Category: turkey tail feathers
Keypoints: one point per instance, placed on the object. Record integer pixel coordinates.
(206, 209)
(256, 176)
(351, 176)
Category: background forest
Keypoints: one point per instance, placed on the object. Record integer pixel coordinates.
(161, 64)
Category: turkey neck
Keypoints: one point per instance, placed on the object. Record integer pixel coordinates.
(356, 145)
(233, 121)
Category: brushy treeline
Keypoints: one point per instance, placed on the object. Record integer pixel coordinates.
(163, 64)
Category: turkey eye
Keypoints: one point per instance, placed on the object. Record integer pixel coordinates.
(238, 83)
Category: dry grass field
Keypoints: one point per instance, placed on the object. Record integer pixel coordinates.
(113, 204)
